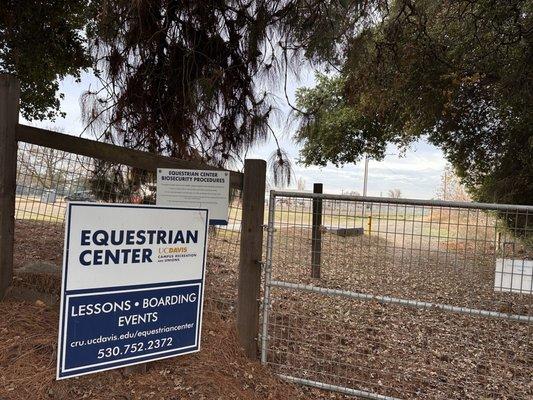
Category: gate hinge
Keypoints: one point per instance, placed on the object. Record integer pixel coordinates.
(268, 229)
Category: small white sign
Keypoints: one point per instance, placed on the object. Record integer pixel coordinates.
(514, 275)
(193, 188)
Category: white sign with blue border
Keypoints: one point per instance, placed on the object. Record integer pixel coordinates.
(132, 286)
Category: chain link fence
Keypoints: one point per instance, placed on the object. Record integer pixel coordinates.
(47, 179)
(415, 299)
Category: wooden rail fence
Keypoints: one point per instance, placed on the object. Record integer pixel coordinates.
(251, 182)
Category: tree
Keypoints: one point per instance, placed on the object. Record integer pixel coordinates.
(117, 183)
(352, 193)
(457, 73)
(395, 193)
(300, 184)
(451, 187)
(41, 42)
(40, 167)
(184, 78)
(188, 79)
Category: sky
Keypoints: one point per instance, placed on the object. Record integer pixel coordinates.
(417, 173)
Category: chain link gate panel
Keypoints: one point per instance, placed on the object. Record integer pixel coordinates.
(415, 299)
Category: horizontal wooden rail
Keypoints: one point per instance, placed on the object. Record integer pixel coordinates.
(112, 153)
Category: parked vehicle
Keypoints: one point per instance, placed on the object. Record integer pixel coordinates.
(84, 195)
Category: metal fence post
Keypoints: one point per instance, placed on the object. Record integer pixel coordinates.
(316, 241)
(268, 275)
(251, 250)
(9, 111)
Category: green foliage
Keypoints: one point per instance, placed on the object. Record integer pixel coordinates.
(187, 78)
(333, 131)
(457, 73)
(41, 42)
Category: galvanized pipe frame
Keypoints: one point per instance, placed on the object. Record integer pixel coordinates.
(268, 276)
(409, 202)
(424, 305)
(334, 388)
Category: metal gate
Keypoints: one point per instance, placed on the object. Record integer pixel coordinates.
(391, 298)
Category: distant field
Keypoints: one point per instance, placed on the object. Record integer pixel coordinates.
(431, 225)
(32, 208)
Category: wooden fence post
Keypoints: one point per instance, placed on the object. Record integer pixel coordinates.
(251, 251)
(316, 239)
(9, 112)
